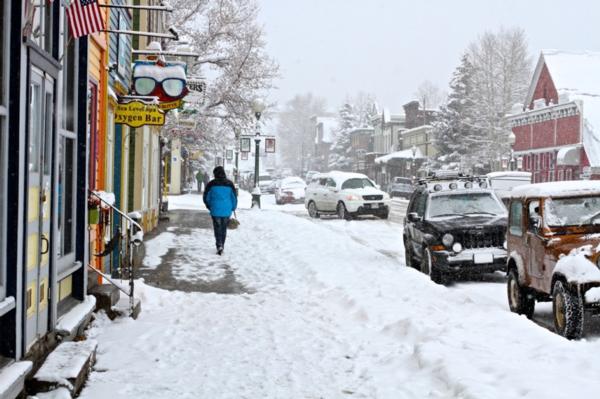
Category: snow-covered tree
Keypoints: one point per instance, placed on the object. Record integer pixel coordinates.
(297, 131)
(502, 73)
(455, 136)
(233, 61)
(339, 157)
(429, 95)
(354, 113)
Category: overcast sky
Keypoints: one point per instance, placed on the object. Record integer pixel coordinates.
(335, 48)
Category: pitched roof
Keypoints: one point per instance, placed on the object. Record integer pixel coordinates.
(576, 76)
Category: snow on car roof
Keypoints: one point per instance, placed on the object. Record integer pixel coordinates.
(343, 175)
(557, 189)
(509, 174)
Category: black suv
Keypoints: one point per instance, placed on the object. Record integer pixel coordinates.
(455, 225)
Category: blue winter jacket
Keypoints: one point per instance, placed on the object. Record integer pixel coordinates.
(220, 197)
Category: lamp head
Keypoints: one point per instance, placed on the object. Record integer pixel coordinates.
(258, 107)
(512, 139)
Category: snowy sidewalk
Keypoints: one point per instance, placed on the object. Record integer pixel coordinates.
(332, 313)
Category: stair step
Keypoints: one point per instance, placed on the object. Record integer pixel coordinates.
(107, 296)
(72, 323)
(67, 366)
(12, 379)
(59, 393)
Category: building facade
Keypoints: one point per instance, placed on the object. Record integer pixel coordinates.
(558, 130)
(44, 176)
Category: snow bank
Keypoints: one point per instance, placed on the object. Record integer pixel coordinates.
(66, 362)
(592, 295)
(156, 248)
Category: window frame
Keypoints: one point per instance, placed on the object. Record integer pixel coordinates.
(5, 13)
(515, 230)
(67, 131)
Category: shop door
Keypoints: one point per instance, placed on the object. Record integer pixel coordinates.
(39, 201)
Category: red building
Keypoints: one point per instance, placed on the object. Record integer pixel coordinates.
(557, 131)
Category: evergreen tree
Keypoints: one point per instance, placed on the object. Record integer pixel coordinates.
(339, 157)
(456, 138)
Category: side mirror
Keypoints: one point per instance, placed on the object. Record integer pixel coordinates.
(414, 217)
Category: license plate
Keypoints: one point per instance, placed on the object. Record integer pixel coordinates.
(375, 205)
(483, 258)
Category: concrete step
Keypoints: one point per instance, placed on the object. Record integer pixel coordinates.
(12, 379)
(107, 296)
(66, 367)
(58, 393)
(72, 323)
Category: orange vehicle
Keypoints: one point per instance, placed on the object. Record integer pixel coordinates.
(553, 241)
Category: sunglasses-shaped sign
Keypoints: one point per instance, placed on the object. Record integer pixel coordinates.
(165, 81)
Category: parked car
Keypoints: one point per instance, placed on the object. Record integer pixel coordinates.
(290, 190)
(265, 183)
(455, 225)
(346, 194)
(401, 187)
(553, 241)
(503, 182)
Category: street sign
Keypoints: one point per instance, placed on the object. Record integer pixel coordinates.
(137, 114)
(229, 155)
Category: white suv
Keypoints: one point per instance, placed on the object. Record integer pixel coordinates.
(345, 194)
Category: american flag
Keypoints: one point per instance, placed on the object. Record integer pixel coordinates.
(84, 17)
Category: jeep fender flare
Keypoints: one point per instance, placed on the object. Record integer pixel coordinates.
(571, 285)
(515, 261)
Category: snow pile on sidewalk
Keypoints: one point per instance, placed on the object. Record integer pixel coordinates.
(335, 315)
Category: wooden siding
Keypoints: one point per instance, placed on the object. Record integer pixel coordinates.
(120, 78)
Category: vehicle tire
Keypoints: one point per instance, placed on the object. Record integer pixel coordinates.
(384, 216)
(408, 258)
(427, 268)
(342, 212)
(312, 210)
(567, 308)
(518, 300)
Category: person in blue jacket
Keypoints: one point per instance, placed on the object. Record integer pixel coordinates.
(220, 198)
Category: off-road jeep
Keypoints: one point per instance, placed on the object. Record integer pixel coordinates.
(553, 251)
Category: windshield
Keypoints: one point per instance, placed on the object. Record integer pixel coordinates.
(464, 204)
(400, 180)
(578, 211)
(357, 183)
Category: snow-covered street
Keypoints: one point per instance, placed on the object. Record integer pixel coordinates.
(330, 311)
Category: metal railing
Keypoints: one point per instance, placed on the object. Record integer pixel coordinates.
(132, 233)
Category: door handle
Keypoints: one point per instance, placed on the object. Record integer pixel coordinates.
(45, 240)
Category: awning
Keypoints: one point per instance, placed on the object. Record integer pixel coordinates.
(568, 156)
(404, 154)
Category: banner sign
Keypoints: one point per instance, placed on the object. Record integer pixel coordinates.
(229, 155)
(245, 144)
(137, 114)
(269, 145)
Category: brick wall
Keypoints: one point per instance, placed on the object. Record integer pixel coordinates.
(545, 88)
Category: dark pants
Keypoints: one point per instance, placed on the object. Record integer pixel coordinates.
(220, 227)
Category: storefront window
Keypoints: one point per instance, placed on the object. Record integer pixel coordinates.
(67, 144)
(39, 17)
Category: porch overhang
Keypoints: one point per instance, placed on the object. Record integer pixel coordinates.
(569, 156)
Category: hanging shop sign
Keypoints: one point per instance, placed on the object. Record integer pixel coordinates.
(269, 145)
(137, 114)
(229, 155)
(164, 80)
(244, 156)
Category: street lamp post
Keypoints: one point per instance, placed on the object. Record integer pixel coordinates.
(511, 141)
(412, 163)
(237, 156)
(257, 107)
